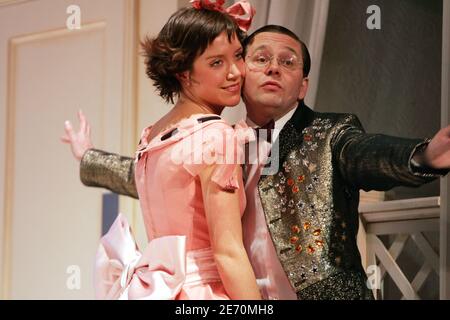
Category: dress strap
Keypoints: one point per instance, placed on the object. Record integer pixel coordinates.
(199, 120)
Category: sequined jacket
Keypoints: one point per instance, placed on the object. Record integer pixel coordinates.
(311, 204)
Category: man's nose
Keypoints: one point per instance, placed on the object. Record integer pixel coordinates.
(273, 67)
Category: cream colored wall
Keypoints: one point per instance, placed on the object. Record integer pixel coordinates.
(49, 221)
(152, 17)
(134, 107)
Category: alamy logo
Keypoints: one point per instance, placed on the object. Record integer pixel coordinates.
(232, 146)
(374, 21)
(73, 282)
(373, 277)
(73, 22)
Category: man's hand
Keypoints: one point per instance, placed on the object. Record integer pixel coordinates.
(437, 154)
(79, 141)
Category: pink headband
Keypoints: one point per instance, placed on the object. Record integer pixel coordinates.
(242, 11)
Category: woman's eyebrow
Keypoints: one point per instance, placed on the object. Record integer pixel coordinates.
(215, 56)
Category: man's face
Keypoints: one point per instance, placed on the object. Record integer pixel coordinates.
(272, 91)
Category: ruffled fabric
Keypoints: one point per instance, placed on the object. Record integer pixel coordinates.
(184, 127)
(219, 145)
(210, 143)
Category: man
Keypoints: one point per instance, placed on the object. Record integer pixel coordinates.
(301, 223)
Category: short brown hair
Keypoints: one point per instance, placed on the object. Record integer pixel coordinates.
(183, 38)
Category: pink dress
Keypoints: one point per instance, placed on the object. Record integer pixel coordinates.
(178, 262)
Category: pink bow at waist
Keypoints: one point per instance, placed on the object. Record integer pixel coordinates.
(159, 273)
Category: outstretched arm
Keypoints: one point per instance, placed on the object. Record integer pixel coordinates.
(381, 162)
(436, 155)
(108, 170)
(99, 168)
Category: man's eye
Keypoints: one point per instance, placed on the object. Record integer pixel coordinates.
(261, 59)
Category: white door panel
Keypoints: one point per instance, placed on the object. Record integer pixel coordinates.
(48, 220)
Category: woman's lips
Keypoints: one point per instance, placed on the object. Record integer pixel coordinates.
(233, 88)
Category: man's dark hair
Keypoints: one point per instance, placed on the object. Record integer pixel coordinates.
(279, 29)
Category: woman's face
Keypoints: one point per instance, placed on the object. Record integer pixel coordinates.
(217, 75)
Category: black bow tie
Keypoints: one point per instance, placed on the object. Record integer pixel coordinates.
(267, 129)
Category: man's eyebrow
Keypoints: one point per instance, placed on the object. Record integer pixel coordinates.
(261, 47)
(291, 49)
(286, 47)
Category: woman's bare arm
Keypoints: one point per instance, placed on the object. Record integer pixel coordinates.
(225, 230)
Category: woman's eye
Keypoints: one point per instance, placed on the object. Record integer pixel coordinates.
(216, 63)
(239, 56)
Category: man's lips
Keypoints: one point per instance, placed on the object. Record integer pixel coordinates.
(273, 85)
(233, 88)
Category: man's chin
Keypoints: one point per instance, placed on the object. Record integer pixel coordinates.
(270, 100)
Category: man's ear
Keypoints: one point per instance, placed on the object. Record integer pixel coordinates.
(303, 89)
(184, 78)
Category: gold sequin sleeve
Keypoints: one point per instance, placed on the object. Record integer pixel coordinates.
(107, 170)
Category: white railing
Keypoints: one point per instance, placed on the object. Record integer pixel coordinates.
(405, 219)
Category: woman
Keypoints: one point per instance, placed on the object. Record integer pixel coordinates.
(192, 200)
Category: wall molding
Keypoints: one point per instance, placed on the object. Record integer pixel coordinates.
(4, 3)
(129, 112)
(8, 206)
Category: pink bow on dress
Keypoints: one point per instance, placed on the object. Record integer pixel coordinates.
(242, 11)
(122, 272)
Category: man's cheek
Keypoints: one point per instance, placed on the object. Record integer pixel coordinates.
(247, 87)
(247, 70)
(251, 83)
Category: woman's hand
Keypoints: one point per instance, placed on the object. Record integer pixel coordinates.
(79, 141)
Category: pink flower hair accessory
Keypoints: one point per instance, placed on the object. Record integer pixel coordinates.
(242, 11)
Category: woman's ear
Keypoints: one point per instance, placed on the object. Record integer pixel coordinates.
(184, 78)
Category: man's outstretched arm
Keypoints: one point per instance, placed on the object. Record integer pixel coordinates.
(99, 168)
(108, 170)
(381, 162)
